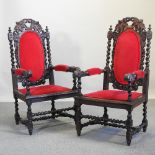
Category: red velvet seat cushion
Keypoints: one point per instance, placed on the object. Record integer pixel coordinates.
(46, 89)
(112, 95)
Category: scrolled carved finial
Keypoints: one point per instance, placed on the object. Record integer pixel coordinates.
(9, 29)
(17, 23)
(46, 29)
(149, 33)
(47, 32)
(110, 34)
(110, 29)
(149, 27)
(10, 35)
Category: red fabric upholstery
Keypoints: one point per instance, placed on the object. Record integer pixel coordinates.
(126, 54)
(94, 71)
(46, 89)
(32, 54)
(112, 95)
(140, 74)
(61, 67)
(19, 71)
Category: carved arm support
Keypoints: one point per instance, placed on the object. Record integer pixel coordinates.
(24, 76)
(89, 72)
(131, 78)
(66, 68)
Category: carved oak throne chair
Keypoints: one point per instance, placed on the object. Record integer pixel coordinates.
(127, 69)
(33, 72)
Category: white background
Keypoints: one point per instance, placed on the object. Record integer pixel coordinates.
(78, 31)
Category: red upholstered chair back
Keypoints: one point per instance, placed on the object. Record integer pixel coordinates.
(31, 54)
(31, 50)
(127, 54)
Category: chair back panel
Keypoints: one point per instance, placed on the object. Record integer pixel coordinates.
(127, 54)
(31, 54)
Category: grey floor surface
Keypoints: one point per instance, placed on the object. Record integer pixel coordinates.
(58, 137)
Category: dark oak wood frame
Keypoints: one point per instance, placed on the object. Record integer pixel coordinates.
(14, 38)
(109, 77)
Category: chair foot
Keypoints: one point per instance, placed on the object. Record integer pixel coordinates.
(78, 126)
(78, 132)
(129, 124)
(78, 118)
(30, 130)
(17, 119)
(145, 121)
(105, 116)
(29, 117)
(128, 137)
(30, 127)
(17, 116)
(145, 127)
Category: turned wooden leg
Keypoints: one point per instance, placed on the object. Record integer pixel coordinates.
(129, 124)
(145, 121)
(53, 109)
(105, 115)
(29, 117)
(78, 118)
(17, 116)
